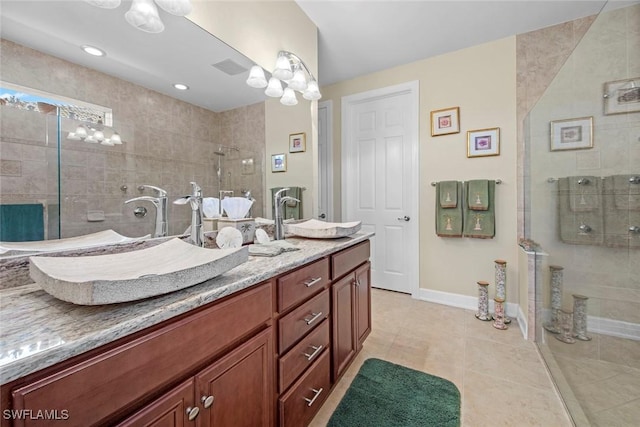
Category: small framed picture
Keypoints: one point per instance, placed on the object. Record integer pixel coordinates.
(278, 163)
(483, 142)
(297, 142)
(572, 134)
(445, 121)
(622, 96)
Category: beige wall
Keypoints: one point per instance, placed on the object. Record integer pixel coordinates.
(481, 81)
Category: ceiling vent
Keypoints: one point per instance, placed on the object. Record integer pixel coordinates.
(230, 67)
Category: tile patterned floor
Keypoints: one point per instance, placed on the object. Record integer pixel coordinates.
(501, 377)
(604, 375)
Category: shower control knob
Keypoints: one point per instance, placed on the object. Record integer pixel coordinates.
(585, 228)
(634, 229)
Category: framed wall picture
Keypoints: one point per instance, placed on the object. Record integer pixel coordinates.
(572, 134)
(483, 142)
(297, 142)
(278, 163)
(445, 121)
(622, 96)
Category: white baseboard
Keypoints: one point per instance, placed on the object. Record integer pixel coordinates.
(605, 326)
(470, 303)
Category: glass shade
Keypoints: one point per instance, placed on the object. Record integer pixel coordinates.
(98, 135)
(283, 68)
(274, 88)
(289, 97)
(175, 7)
(115, 139)
(256, 77)
(299, 81)
(81, 132)
(144, 16)
(73, 137)
(313, 92)
(90, 139)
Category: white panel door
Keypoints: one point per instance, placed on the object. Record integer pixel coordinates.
(380, 162)
(325, 164)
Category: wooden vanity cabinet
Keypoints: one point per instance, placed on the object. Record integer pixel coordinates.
(108, 384)
(351, 305)
(304, 363)
(233, 391)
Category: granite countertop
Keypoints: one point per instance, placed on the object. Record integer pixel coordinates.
(39, 330)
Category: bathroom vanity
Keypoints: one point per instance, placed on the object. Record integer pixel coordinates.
(261, 345)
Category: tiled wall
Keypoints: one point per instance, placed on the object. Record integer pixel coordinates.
(167, 143)
(609, 51)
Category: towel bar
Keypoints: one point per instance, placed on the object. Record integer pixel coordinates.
(434, 183)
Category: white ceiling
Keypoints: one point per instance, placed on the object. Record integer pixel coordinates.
(355, 38)
(361, 37)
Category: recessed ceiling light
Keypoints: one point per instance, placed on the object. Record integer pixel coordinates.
(91, 50)
(180, 86)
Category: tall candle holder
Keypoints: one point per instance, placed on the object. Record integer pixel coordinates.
(553, 325)
(498, 317)
(501, 282)
(483, 301)
(566, 327)
(580, 317)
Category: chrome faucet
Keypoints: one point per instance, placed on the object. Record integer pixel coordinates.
(160, 203)
(195, 199)
(278, 201)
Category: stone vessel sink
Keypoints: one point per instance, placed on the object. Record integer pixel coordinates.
(315, 229)
(106, 237)
(130, 276)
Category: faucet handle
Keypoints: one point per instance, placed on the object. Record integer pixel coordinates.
(182, 200)
(196, 189)
(160, 191)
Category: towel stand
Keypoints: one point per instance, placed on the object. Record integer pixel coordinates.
(498, 181)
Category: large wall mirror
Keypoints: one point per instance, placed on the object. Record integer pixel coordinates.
(213, 133)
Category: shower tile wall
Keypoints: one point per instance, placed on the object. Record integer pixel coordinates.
(167, 143)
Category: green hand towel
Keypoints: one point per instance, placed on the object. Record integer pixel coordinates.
(449, 220)
(448, 193)
(478, 194)
(480, 224)
(584, 193)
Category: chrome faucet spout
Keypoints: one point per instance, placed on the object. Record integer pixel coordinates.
(160, 203)
(196, 236)
(278, 201)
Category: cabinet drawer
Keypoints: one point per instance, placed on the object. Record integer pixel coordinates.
(348, 259)
(95, 389)
(302, 283)
(301, 356)
(302, 401)
(300, 321)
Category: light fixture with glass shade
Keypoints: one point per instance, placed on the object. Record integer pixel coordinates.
(143, 14)
(291, 70)
(95, 133)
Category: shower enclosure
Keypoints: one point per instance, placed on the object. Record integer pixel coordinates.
(582, 204)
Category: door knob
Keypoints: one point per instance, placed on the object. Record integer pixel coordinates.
(404, 218)
(322, 216)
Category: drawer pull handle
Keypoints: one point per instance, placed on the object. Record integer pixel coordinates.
(314, 318)
(207, 401)
(313, 399)
(192, 413)
(316, 350)
(309, 283)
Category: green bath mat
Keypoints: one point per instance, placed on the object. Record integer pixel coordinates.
(384, 394)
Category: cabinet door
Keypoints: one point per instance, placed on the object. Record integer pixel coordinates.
(344, 339)
(238, 389)
(170, 410)
(363, 303)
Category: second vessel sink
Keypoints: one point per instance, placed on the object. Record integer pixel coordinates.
(315, 229)
(130, 276)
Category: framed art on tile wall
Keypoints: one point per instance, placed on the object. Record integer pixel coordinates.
(622, 96)
(445, 121)
(483, 142)
(572, 134)
(278, 163)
